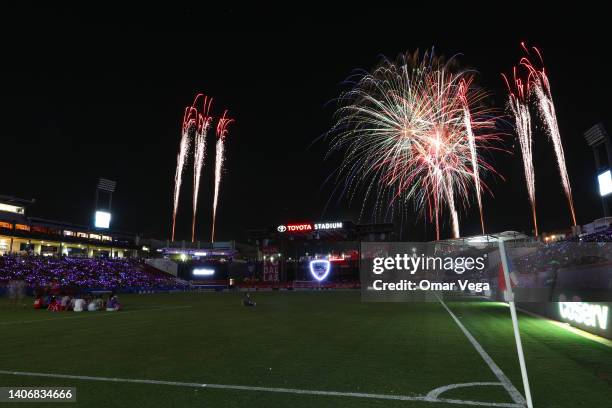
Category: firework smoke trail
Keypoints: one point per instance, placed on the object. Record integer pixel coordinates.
(219, 159)
(540, 87)
(403, 132)
(452, 207)
(189, 121)
(467, 117)
(518, 102)
(203, 124)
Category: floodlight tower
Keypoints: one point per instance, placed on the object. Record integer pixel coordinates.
(102, 214)
(598, 139)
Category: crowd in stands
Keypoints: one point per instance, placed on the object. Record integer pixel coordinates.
(576, 251)
(72, 273)
(599, 236)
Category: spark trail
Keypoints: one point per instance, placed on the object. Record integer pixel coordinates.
(204, 120)
(189, 121)
(467, 117)
(540, 87)
(519, 105)
(219, 160)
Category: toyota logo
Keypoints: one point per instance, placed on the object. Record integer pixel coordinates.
(281, 228)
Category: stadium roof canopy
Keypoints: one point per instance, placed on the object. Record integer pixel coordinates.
(15, 200)
(490, 238)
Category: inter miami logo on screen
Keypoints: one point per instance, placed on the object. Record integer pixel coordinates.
(319, 269)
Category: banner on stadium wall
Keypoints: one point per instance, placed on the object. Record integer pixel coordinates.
(271, 264)
(593, 317)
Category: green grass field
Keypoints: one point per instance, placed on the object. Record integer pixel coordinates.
(291, 342)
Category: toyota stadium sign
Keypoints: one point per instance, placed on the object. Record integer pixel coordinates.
(310, 226)
(328, 226)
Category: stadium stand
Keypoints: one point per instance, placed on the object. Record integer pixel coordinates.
(98, 273)
(599, 236)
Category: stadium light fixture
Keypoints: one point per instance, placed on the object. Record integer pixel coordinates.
(107, 185)
(596, 135)
(102, 219)
(605, 183)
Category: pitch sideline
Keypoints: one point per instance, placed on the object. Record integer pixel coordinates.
(515, 394)
(431, 397)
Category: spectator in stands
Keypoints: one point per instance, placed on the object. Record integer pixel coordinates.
(56, 274)
(55, 288)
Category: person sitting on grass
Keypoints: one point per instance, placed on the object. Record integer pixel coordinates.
(65, 303)
(38, 303)
(94, 305)
(113, 304)
(79, 305)
(54, 306)
(247, 301)
(16, 291)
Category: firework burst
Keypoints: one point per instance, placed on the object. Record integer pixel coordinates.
(204, 120)
(411, 131)
(540, 86)
(519, 105)
(219, 160)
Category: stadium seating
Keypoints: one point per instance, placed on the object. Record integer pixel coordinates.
(599, 236)
(84, 273)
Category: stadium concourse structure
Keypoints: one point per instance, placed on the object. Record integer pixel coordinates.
(490, 238)
(20, 234)
(287, 251)
(24, 235)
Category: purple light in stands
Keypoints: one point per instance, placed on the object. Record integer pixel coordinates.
(82, 272)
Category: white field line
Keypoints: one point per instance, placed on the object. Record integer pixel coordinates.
(88, 315)
(516, 396)
(435, 393)
(428, 398)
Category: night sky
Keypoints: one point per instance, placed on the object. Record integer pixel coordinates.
(100, 93)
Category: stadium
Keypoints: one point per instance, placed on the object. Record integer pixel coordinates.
(164, 248)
